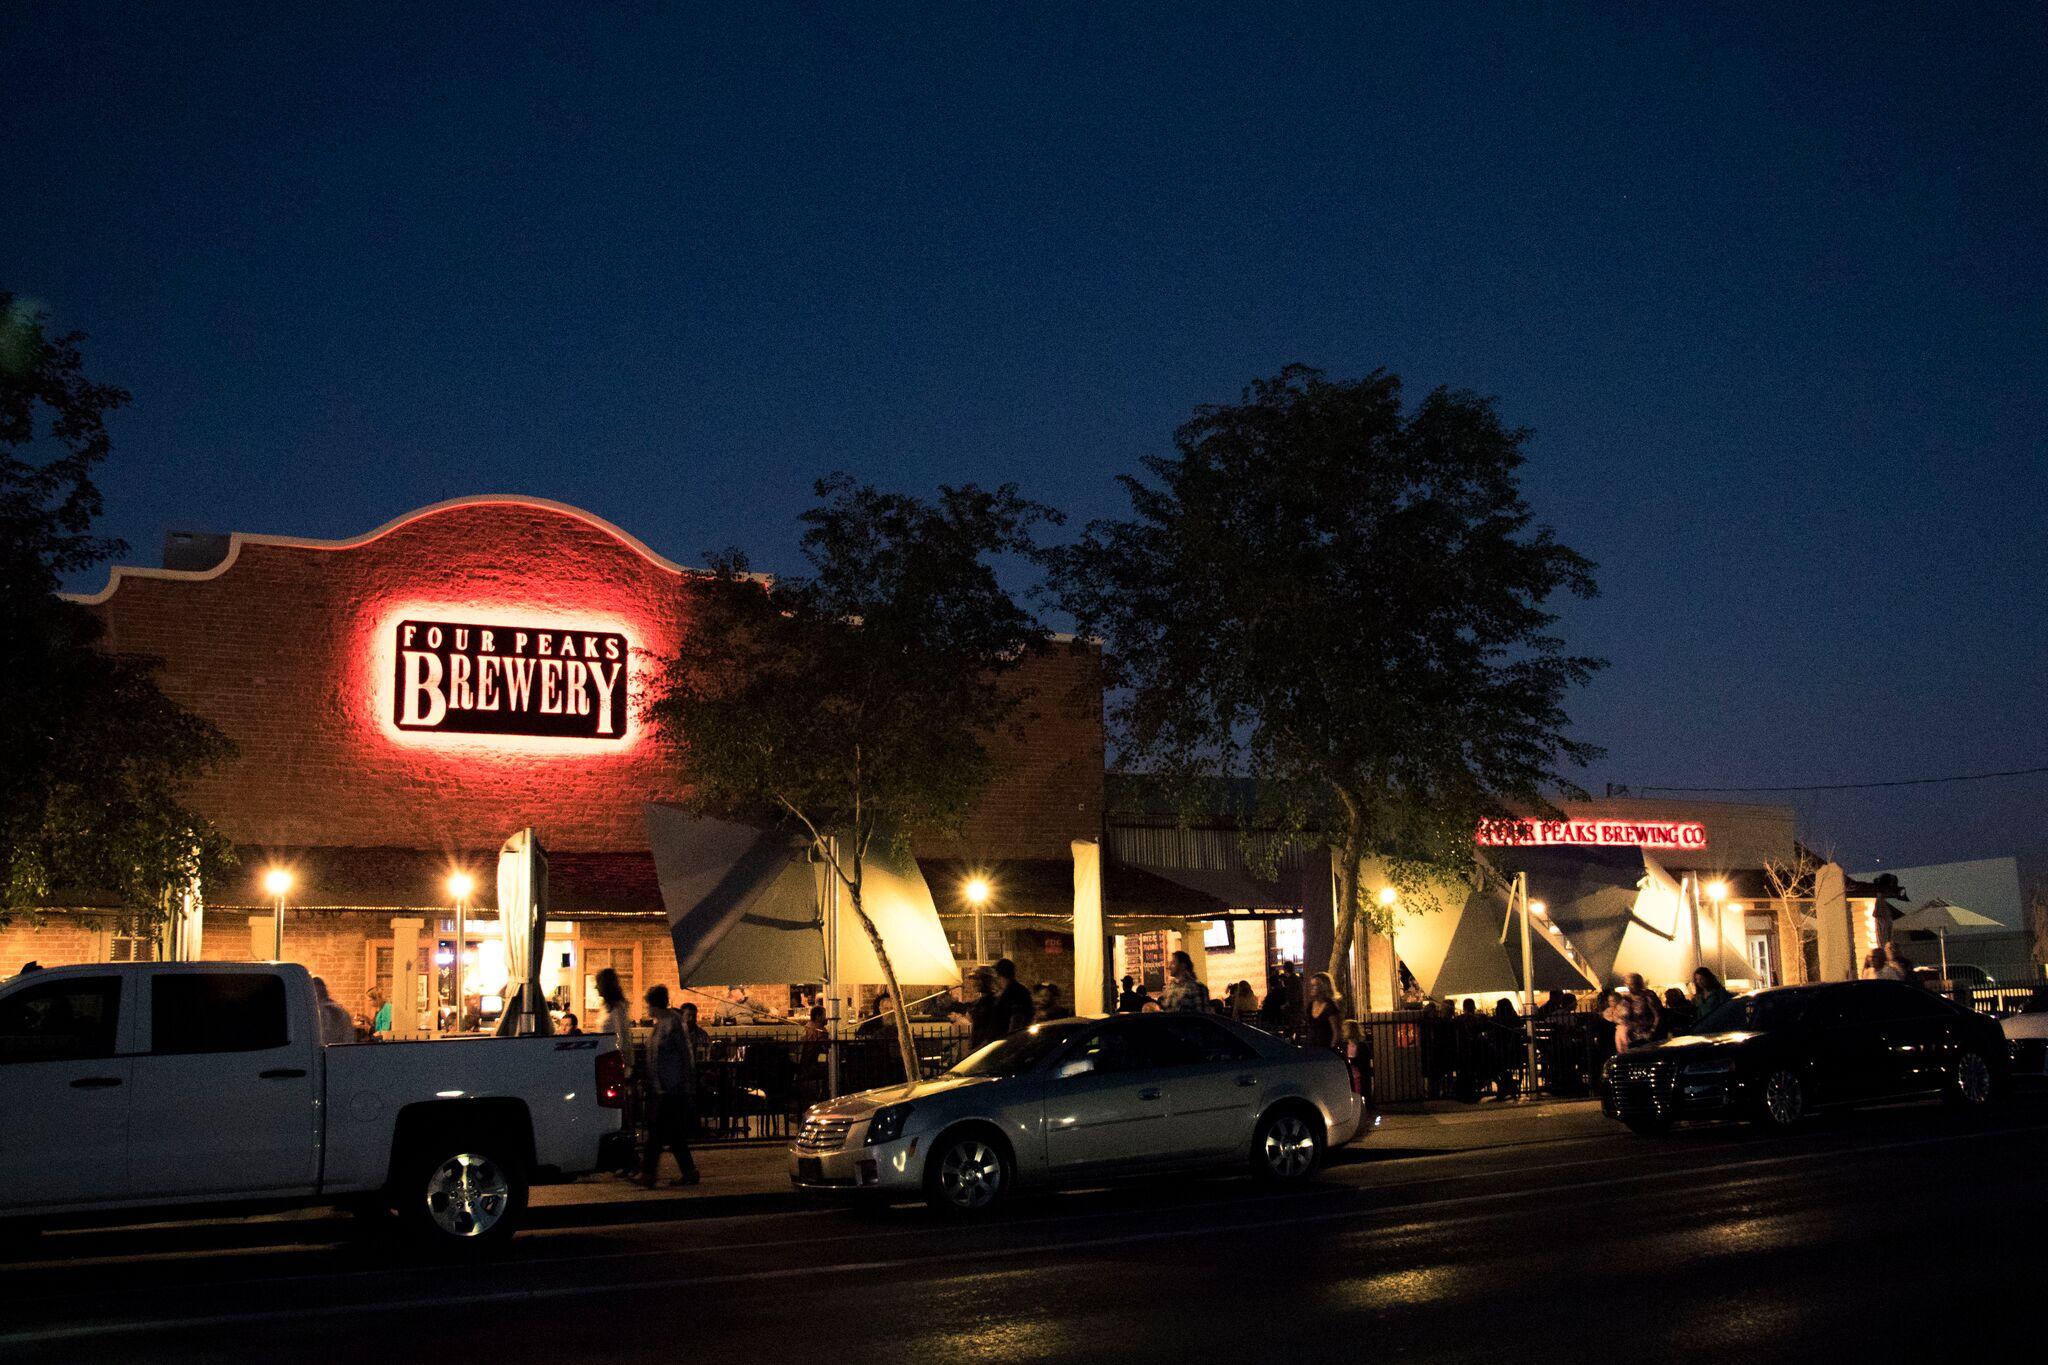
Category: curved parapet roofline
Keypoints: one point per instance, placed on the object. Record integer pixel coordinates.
(237, 539)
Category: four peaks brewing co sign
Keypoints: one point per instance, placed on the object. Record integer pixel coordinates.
(1679, 834)
(458, 678)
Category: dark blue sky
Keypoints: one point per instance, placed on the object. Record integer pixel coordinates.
(1769, 285)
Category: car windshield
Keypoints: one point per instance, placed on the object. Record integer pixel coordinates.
(1018, 1053)
(1754, 1013)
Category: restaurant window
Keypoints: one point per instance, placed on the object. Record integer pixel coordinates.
(131, 941)
(70, 1019)
(1289, 944)
(620, 960)
(216, 1012)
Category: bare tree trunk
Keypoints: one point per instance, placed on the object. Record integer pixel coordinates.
(903, 1039)
(1348, 858)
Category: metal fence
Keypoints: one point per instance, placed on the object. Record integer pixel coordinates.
(1411, 1055)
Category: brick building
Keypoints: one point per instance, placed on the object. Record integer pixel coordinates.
(403, 701)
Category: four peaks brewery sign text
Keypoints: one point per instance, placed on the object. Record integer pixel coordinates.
(456, 678)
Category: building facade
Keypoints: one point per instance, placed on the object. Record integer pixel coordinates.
(404, 700)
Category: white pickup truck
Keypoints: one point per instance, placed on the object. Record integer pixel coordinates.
(188, 1085)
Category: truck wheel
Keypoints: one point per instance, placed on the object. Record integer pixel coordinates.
(461, 1195)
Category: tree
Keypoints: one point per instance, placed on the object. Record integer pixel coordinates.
(93, 756)
(1347, 601)
(852, 704)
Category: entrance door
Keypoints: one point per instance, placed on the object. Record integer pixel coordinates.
(64, 1093)
(224, 1095)
(1763, 958)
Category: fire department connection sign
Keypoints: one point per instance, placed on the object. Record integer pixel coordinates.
(459, 678)
(1678, 834)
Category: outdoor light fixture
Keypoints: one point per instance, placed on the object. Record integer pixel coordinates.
(1717, 890)
(276, 883)
(460, 884)
(1388, 895)
(976, 890)
(1537, 907)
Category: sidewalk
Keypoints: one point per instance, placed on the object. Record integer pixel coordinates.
(753, 1178)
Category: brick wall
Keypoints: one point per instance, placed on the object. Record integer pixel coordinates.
(288, 649)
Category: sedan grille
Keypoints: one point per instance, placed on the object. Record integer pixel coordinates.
(1641, 1088)
(823, 1135)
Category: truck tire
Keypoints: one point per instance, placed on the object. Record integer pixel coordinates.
(462, 1194)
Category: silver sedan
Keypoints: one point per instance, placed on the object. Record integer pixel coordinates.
(1080, 1100)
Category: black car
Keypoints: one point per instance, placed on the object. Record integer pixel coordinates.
(1776, 1056)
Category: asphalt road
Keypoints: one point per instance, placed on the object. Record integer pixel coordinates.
(1889, 1234)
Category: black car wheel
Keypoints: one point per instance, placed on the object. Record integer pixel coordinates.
(1287, 1148)
(967, 1173)
(1974, 1084)
(1783, 1102)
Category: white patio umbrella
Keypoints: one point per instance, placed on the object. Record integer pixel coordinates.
(1937, 916)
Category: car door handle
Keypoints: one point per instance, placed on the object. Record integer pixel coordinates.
(1151, 1094)
(95, 1082)
(282, 1073)
(1247, 1080)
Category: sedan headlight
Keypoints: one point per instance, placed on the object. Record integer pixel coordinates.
(887, 1124)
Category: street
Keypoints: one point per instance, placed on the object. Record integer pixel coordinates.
(1894, 1233)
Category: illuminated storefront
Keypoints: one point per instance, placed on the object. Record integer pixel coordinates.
(403, 700)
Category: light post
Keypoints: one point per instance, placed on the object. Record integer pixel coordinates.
(460, 884)
(1717, 892)
(1388, 898)
(277, 883)
(977, 893)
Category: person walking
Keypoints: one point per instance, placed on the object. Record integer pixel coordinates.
(984, 1018)
(1634, 1014)
(337, 1025)
(1185, 993)
(1680, 1014)
(380, 1018)
(671, 1088)
(1014, 1004)
(618, 1022)
(1325, 1018)
(1130, 999)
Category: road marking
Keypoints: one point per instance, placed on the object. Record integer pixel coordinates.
(86, 1331)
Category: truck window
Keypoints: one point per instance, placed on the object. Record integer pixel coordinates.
(217, 1012)
(67, 1020)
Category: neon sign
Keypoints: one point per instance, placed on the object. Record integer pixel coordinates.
(462, 678)
(1679, 834)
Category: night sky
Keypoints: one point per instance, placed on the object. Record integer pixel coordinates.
(1768, 284)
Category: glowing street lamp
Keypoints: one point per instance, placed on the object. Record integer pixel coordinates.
(1388, 895)
(277, 884)
(977, 892)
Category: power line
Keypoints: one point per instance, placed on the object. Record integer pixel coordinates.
(1852, 786)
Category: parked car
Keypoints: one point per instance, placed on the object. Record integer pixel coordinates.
(172, 1086)
(1083, 1100)
(1778, 1055)
(2027, 1034)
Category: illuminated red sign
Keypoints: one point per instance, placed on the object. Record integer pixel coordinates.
(454, 677)
(1678, 834)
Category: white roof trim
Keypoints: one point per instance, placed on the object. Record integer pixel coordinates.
(237, 539)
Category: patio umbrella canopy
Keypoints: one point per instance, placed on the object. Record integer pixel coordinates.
(744, 906)
(1937, 916)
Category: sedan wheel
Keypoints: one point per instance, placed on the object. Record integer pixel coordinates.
(967, 1175)
(1288, 1148)
(1784, 1099)
(1973, 1086)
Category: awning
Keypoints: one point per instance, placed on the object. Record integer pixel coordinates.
(1478, 962)
(744, 907)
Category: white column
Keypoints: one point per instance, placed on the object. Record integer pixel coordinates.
(1088, 969)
